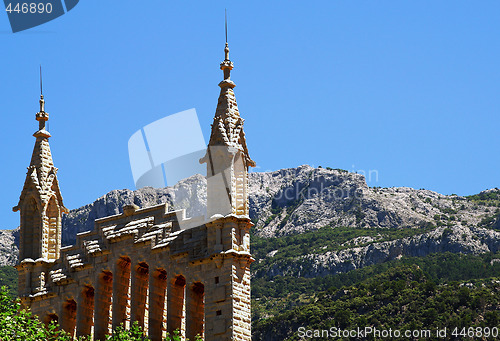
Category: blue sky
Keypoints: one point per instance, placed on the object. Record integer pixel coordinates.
(408, 89)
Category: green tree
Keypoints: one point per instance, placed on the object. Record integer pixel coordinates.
(18, 324)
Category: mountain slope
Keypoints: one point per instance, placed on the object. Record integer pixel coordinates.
(400, 298)
(296, 201)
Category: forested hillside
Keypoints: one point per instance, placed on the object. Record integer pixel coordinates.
(8, 278)
(439, 291)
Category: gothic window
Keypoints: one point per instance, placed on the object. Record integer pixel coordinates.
(31, 230)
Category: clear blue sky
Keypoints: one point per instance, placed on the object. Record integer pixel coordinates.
(409, 89)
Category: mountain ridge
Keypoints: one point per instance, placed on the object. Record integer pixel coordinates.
(304, 199)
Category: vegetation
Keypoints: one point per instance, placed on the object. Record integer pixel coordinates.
(491, 198)
(321, 241)
(337, 169)
(8, 278)
(402, 297)
(275, 295)
(17, 324)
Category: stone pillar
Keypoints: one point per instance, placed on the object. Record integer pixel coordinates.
(85, 316)
(68, 317)
(176, 303)
(140, 291)
(102, 305)
(157, 299)
(121, 287)
(195, 310)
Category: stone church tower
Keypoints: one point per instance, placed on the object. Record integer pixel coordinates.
(227, 155)
(140, 265)
(41, 203)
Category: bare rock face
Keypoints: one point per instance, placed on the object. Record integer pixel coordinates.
(8, 249)
(301, 199)
(297, 200)
(455, 239)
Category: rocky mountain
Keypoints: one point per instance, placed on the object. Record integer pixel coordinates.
(296, 201)
(8, 249)
(301, 199)
(189, 194)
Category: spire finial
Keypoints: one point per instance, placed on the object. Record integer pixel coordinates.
(42, 116)
(226, 64)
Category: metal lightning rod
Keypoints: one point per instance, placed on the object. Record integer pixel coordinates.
(41, 87)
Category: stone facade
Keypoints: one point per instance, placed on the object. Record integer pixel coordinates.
(151, 265)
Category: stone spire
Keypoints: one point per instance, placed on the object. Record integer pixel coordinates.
(227, 155)
(227, 128)
(41, 203)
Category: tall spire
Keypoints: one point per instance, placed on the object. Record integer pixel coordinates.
(227, 155)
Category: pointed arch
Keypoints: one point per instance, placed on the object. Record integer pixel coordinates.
(31, 229)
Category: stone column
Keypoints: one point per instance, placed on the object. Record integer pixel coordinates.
(157, 298)
(68, 316)
(85, 316)
(102, 305)
(121, 285)
(176, 303)
(140, 291)
(195, 310)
